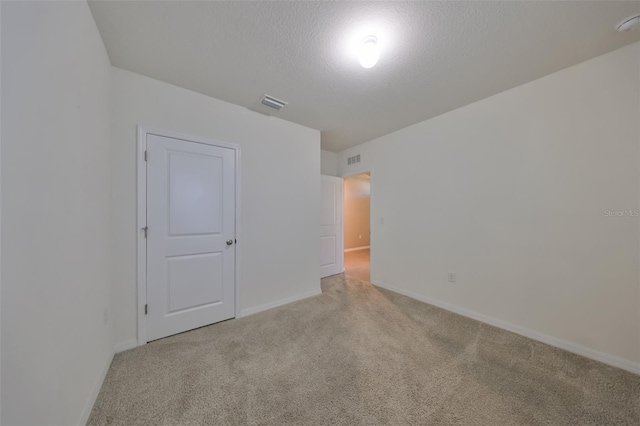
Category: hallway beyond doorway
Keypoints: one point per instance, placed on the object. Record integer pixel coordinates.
(357, 264)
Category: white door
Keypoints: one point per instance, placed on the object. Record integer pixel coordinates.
(191, 235)
(331, 240)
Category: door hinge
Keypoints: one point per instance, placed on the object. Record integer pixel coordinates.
(145, 156)
(145, 230)
(146, 309)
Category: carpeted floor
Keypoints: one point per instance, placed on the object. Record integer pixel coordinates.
(360, 355)
(357, 264)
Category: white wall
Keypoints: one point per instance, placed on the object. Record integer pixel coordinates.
(280, 178)
(328, 163)
(55, 212)
(0, 218)
(510, 193)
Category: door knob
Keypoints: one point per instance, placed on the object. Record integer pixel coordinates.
(229, 242)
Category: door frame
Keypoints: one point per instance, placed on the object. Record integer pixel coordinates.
(371, 237)
(141, 220)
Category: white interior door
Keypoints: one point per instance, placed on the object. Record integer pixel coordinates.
(191, 235)
(331, 239)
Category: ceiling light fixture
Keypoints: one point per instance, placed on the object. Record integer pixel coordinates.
(629, 24)
(369, 51)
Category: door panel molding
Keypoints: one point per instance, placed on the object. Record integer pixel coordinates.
(141, 206)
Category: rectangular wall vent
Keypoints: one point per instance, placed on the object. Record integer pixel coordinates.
(272, 102)
(353, 160)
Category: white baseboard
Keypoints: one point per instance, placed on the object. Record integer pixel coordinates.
(633, 367)
(357, 248)
(267, 306)
(86, 412)
(125, 346)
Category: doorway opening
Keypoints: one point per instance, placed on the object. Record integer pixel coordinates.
(357, 226)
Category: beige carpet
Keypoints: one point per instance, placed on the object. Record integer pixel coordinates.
(357, 264)
(360, 355)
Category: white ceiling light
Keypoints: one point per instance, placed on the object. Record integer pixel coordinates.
(629, 24)
(369, 52)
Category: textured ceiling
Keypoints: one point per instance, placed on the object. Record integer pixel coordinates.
(436, 56)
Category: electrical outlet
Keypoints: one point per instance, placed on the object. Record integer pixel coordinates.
(105, 316)
(452, 277)
(359, 237)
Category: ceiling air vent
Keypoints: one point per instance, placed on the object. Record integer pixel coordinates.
(272, 102)
(353, 160)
